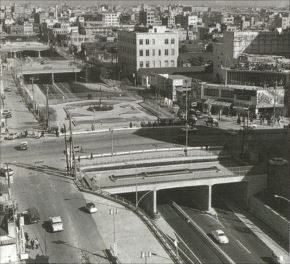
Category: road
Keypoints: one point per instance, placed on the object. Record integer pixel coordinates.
(244, 246)
(196, 247)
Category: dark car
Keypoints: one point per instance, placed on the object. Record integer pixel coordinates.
(32, 215)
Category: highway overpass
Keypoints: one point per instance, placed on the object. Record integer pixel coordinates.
(151, 178)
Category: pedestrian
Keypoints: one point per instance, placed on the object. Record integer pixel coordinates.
(32, 243)
(36, 243)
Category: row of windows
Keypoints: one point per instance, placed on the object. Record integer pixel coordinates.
(154, 64)
(211, 92)
(147, 41)
(147, 52)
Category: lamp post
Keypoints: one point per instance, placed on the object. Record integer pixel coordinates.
(146, 255)
(112, 141)
(282, 197)
(114, 212)
(186, 126)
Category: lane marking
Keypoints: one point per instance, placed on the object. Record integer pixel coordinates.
(245, 248)
(178, 236)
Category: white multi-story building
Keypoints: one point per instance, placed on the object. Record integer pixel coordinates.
(111, 19)
(155, 48)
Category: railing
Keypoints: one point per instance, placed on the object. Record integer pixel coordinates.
(154, 229)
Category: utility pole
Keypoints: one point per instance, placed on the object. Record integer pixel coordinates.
(65, 146)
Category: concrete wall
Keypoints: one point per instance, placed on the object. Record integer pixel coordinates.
(270, 217)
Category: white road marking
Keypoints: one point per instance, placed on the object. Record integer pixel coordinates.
(188, 248)
(244, 246)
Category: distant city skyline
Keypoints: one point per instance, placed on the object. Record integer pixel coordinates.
(209, 3)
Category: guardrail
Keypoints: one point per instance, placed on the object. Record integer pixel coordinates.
(204, 236)
(154, 229)
(146, 151)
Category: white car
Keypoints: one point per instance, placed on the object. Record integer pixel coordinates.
(277, 259)
(220, 236)
(91, 208)
(56, 224)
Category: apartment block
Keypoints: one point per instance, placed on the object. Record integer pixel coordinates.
(155, 48)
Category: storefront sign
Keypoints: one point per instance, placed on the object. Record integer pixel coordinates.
(269, 97)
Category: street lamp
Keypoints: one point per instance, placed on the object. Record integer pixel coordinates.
(114, 212)
(186, 125)
(112, 141)
(146, 255)
(282, 197)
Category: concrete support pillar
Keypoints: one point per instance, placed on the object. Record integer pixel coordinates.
(209, 198)
(39, 55)
(149, 203)
(154, 200)
(52, 78)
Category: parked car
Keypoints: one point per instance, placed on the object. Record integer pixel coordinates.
(56, 224)
(6, 113)
(5, 170)
(211, 122)
(7, 89)
(32, 215)
(91, 208)
(220, 236)
(11, 136)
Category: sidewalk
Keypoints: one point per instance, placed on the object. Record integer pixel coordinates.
(21, 119)
(132, 236)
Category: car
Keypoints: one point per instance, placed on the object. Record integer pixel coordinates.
(91, 208)
(32, 215)
(23, 145)
(5, 170)
(6, 113)
(277, 259)
(211, 122)
(11, 136)
(56, 224)
(7, 89)
(220, 236)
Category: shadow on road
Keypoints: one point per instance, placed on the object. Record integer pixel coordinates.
(60, 242)
(45, 169)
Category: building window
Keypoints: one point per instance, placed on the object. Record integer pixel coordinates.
(147, 41)
(147, 53)
(153, 52)
(140, 53)
(153, 41)
(172, 51)
(172, 63)
(227, 94)
(141, 64)
(147, 64)
(159, 52)
(211, 92)
(166, 52)
(172, 41)
(153, 64)
(166, 63)
(166, 41)
(141, 41)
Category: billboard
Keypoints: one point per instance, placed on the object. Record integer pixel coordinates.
(269, 97)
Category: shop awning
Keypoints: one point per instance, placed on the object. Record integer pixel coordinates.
(217, 102)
